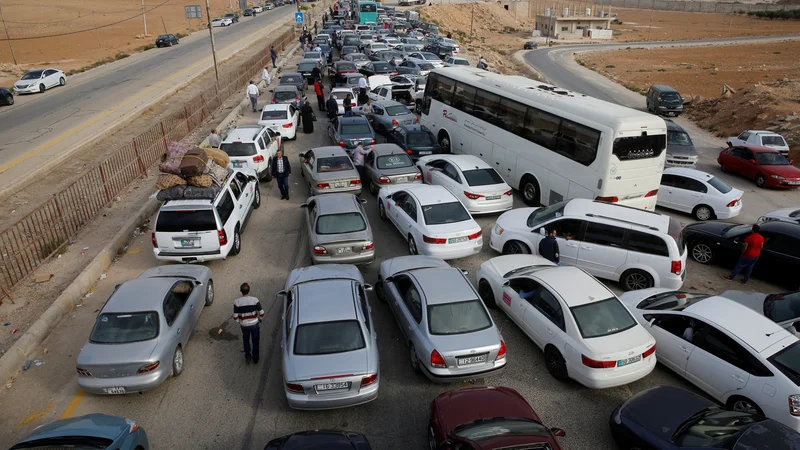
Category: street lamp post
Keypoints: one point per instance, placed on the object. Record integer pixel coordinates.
(213, 47)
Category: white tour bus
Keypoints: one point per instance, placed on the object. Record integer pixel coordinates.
(549, 143)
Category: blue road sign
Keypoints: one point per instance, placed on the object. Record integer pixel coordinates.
(298, 17)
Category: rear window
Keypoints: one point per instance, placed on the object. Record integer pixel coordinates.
(359, 57)
(394, 161)
(238, 148)
(428, 66)
(356, 128)
(334, 164)
(782, 307)
(346, 66)
(341, 223)
(772, 140)
(121, 328)
(275, 114)
(602, 318)
(306, 67)
(420, 139)
(284, 96)
(341, 95)
(678, 138)
(788, 362)
(291, 79)
(398, 110)
(190, 220)
(325, 338)
(720, 185)
(639, 147)
(379, 65)
(458, 318)
(443, 213)
(482, 177)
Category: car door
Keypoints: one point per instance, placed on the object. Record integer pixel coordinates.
(545, 320)
(226, 207)
(263, 158)
(394, 204)
(432, 171)
(311, 220)
(178, 316)
(51, 77)
(601, 251)
(781, 253)
(686, 193)
(715, 365)
(307, 166)
(403, 296)
(665, 188)
(294, 114)
(569, 233)
(240, 201)
(748, 167)
(406, 218)
(668, 329)
(512, 303)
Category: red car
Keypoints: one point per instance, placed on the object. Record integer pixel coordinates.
(483, 418)
(765, 165)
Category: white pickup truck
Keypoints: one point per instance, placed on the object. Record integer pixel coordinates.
(762, 138)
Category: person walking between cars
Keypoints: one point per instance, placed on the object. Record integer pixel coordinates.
(367, 110)
(751, 251)
(247, 311)
(348, 105)
(332, 106)
(274, 55)
(252, 92)
(281, 170)
(315, 27)
(548, 247)
(214, 140)
(362, 89)
(320, 91)
(265, 77)
(308, 116)
(358, 159)
(316, 74)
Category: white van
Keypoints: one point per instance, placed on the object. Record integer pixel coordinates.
(252, 146)
(193, 231)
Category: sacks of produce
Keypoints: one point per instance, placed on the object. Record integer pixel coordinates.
(173, 193)
(171, 161)
(196, 193)
(168, 180)
(218, 173)
(194, 162)
(203, 180)
(220, 157)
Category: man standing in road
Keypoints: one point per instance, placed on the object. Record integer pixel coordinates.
(316, 74)
(214, 140)
(320, 91)
(265, 77)
(281, 170)
(274, 55)
(358, 159)
(253, 93)
(362, 89)
(751, 251)
(332, 106)
(548, 247)
(247, 311)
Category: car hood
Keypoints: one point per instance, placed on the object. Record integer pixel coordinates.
(785, 171)
(462, 406)
(681, 150)
(675, 406)
(316, 366)
(516, 218)
(711, 227)
(326, 176)
(117, 354)
(96, 425)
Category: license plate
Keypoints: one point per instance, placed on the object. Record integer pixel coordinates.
(237, 164)
(425, 153)
(407, 122)
(472, 360)
(332, 386)
(188, 242)
(457, 240)
(114, 390)
(339, 185)
(401, 179)
(339, 251)
(492, 197)
(794, 183)
(626, 361)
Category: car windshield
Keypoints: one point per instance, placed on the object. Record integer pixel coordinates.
(782, 307)
(482, 177)
(678, 138)
(306, 67)
(399, 110)
(773, 140)
(238, 148)
(291, 79)
(429, 56)
(382, 66)
(186, 220)
(714, 428)
(771, 159)
(442, 213)
(325, 338)
(312, 55)
(122, 328)
(33, 75)
(359, 57)
(602, 318)
(355, 128)
(379, 46)
(413, 41)
(397, 161)
(163, 36)
(461, 62)
(735, 230)
(346, 66)
(542, 215)
(671, 301)
(788, 362)
(719, 185)
(274, 114)
(341, 223)
(285, 95)
(334, 164)
(420, 139)
(458, 318)
(670, 96)
(482, 430)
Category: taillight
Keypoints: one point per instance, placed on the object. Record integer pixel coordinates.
(437, 361)
(258, 158)
(320, 250)
(366, 381)
(383, 180)
(607, 199)
(652, 193)
(418, 177)
(274, 101)
(472, 196)
(297, 99)
(223, 237)
(416, 120)
(83, 372)
(409, 151)
(676, 267)
(794, 405)
(355, 182)
(475, 235)
(649, 351)
(395, 123)
(589, 362)
(149, 367)
(501, 354)
(372, 142)
(369, 245)
(295, 387)
(732, 203)
(287, 125)
(153, 239)
(431, 240)
(508, 192)
(323, 185)
(341, 144)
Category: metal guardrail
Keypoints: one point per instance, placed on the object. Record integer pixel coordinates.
(27, 244)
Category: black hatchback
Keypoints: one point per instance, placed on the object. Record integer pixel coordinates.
(166, 40)
(416, 140)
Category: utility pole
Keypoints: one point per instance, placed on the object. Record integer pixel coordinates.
(163, 24)
(3, 18)
(96, 33)
(472, 20)
(144, 19)
(650, 25)
(213, 47)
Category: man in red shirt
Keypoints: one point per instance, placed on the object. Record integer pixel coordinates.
(751, 250)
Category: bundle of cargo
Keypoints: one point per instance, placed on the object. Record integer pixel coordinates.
(188, 172)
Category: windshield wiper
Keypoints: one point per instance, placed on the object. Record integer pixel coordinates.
(692, 420)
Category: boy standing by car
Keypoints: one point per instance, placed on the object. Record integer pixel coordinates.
(751, 251)
(247, 311)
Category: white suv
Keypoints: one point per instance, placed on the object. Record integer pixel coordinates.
(198, 230)
(638, 248)
(760, 137)
(252, 146)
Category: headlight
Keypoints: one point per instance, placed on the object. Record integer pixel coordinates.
(777, 176)
(669, 155)
(498, 230)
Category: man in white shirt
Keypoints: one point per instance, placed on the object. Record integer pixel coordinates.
(214, 140)
(265, 77)
(358, 160)
(253, 93)
(362, 89)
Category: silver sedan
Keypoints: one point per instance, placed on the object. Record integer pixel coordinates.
(338, 230)
(450, 334)
(142, 331)
(329, 170)
(388, 114)
(329, 346)
(388, 164)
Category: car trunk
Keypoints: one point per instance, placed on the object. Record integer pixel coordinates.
(242, 154)
(338, 180)
(318, 372)
(491, 194)
(116, 360)
(400, 176)
(471, 352)
(342, 245)
(187, 231)
(275, 120)
(621, 347)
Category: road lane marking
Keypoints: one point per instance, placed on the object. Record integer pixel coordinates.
(36, 415)
(73, 404)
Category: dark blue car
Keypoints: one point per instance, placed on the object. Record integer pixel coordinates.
(6, 97)
(669, 418)
(326, 50)
(90, 431)
(320, 440)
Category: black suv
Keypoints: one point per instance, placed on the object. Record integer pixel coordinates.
(233, 16)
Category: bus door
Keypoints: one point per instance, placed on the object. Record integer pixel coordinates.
(559, 188)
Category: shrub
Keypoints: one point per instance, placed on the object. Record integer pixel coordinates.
(610, 66)
(119, 56)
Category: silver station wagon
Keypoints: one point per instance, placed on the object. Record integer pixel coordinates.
(329, 170)
(388, 164)
(338, 230)
(328, 341)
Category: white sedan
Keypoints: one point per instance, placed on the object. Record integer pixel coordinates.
(698, 193)
(221, 22)
(431, 219)
(476, 184)
(737, 356)
(39, 81)
(281, 118)
(586, 333)
(340, 93)
(257, 9)
(790, 215)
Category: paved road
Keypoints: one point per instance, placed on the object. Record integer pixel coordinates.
(42, 126)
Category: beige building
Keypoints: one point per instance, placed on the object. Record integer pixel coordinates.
(573, 27)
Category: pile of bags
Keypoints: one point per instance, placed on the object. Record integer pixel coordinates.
(189, 172)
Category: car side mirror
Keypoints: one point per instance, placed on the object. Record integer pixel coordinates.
(368, 287)
(389, 280)
(541, 231)
(252, 179)
(281, 295)
(304, 205)
(465, 272)
(506, 283)
(558, 432)
(272, 90)
(362, 200)
(198, 283)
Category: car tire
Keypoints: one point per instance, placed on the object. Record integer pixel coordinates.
(379, 289)
(268, 174)
(62, 81)
(743, 404)
(487, 295)
(382, 211)
(555, 363)
(761, 181)
(413, 360)
(702, 253)
(41, 88)
(210, 293)
(444, 142)
(372, 188)
(516, 248)
(722, 168)
(177, 362)
(257, 199)
(237, 242)
(169, 44)
(412, 246)
(431, 438)
(633, 280)
(9, 99)
(703, 212)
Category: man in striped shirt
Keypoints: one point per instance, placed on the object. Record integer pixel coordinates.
(248, 312)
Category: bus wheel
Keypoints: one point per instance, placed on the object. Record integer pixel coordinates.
(444, 142)
(530, 191)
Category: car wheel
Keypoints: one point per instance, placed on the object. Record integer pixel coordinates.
(486, 293)
(177, 41)
(761, 181)
(237, 242)
(702, 253)
(530, 191)
(379, 289)
(744, 404)
(412, 352)
(210, 293)
(703, 212)
(382, 211)
(177, 362)
(372, 188)
(633, 280)
(555, 363)
(412, 246)
(268, 173)
(9, 99)
(62, 81)
(431, 439)
(257, 199)
(444, 142)
(722, 167)
(169, 44)
(41, 88)
(516, 248)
